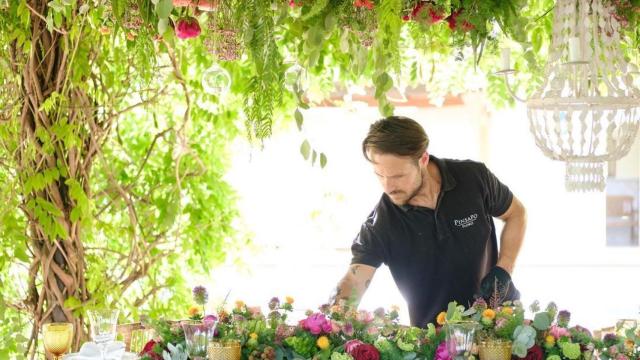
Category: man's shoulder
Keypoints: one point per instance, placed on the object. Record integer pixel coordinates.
(463, 164)
(380, 214)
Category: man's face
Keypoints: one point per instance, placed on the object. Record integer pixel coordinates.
(400, 176)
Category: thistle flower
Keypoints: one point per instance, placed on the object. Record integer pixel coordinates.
(200, 295)
(563, 318)
(347, 329)
(324, 308)
(552, 309)
(379, 312)
(274, 303)
(535, 306)
(479, 304)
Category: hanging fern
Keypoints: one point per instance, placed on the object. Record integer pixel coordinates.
(264, 92)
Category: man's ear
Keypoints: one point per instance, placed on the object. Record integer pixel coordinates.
(424, 159)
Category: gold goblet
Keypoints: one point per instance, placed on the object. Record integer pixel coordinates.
(57, 338)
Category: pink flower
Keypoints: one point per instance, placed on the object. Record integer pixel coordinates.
(622, 357)
(317, 323)
(187, 28)
(364, 316)
(557, 332)
(335, 327)
(613, 350)
(351, 345)
(442, 353)
(373, 330)
(255, 311)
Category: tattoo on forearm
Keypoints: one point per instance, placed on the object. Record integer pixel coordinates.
(367, 283)
(354, 269)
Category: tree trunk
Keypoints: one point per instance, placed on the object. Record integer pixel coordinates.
(52, 168)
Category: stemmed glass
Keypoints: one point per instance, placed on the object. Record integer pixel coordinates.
(197, 335)
(103, 324)
(57, 338)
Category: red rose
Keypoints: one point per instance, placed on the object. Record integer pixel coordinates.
(365, 352)
(534, 353)
(148, 350)
(187, 27)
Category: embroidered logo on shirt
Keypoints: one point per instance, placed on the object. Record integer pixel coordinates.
(466, 222)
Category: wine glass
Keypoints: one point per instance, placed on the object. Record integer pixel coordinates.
(197, 335)
(103, 324)
(57, 338)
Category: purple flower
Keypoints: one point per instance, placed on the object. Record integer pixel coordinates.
(479, 304)
(347, 329)
(442, 353)
(200, 295)
(324, 308)
(210, 317)
(563, 318)
(274, 303)
(610, 339)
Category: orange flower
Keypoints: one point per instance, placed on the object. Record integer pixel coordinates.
(489, 314)
(239, 304)
(193, 310)
(442, 317)
(628, 344)
(288, 300)
(105, 30)
(507, 310)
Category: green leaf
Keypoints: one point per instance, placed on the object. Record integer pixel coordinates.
(72, 303)
(323, 160)
(314, 156)
(305, 149)
(164, 8)
(542, 321)
(299, 119)
(318, 6)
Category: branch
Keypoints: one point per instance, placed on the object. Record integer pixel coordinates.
(63, 32)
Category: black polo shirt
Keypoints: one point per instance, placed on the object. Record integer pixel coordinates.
(438, 255)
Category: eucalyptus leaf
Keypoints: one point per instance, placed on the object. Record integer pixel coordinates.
(164, 8)
(305, 149)
(299, 119)
(323, 160)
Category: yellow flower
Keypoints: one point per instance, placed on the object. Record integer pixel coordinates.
(253, 336)
(395, 308)
(550, 340)
(336, 309)
(193, 310)
(489, 314)
(239, 304)
(323, 342)
(628, 344)
(507, 310)
(288, 300)
(441, 318)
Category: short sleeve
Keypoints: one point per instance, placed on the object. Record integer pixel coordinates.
(366, 248)
(498, 197)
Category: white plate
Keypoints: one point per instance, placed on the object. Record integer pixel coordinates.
(74, 356)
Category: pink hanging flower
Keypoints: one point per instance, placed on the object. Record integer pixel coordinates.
(364, 316)
(187, 27)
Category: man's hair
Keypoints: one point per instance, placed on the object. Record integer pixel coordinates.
(397, 135)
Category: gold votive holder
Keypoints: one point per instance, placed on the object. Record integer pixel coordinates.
(494, 350)
(224, 350)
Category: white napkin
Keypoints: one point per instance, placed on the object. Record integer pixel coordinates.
(91, 351)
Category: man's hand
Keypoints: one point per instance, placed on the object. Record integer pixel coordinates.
(353, 285)
(497, 287)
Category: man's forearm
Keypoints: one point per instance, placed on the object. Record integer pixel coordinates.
(352, 286)
(511, 239)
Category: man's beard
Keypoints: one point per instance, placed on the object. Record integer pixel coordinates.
(411, 196)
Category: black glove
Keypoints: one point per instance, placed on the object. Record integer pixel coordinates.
(500, 278)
